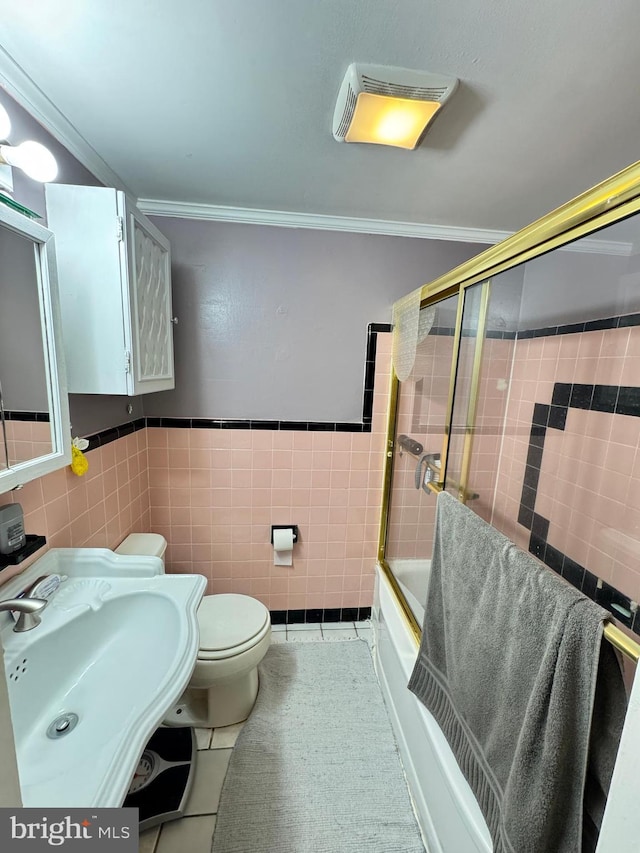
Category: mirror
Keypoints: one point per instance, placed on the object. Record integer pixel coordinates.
(34, 415)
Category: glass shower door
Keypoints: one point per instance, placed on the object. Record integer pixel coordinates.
(422, 416)
(462, 428)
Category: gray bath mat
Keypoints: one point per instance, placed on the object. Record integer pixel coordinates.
(316, 768)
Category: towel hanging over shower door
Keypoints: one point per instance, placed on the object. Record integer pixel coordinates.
(508, 666)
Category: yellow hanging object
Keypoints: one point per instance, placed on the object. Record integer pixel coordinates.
(79, 464)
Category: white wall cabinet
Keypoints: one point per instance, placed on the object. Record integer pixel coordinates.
(114, 270)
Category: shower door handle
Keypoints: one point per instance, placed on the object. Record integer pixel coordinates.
(421, 471)
(426, 470)
(422, 461)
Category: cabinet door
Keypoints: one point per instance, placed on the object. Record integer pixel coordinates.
(149, 265)
(92, 272)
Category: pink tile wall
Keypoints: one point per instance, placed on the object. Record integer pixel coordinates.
(97, 510)
(589, 485)
(464, 377)
(214, 495)
(497, 357)
(412, 511)
(27, 440)
(433, 370)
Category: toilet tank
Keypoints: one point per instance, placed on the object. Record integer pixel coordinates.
(143, 545)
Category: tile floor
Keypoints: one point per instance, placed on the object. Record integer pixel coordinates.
(193, 833)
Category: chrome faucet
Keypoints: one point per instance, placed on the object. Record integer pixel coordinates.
(29, 609)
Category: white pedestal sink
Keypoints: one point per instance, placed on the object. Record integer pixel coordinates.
(115, 649)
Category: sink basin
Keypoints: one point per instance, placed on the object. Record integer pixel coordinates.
(112, 654)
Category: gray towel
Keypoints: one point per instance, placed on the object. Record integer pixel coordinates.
(508, 666)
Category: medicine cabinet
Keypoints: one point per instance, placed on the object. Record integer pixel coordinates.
(115, 292)
(34, 412)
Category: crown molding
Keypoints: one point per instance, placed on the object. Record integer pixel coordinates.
(357, 225)
(593, 246)
(29, 95)
(321, 222)
(18, 84)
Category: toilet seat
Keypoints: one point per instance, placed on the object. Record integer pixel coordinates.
(235, 632)
(230, 624)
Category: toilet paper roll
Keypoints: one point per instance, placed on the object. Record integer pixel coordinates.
(283, 547)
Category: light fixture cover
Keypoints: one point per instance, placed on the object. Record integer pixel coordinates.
(5, 124)
(388, 106)
(34, 159)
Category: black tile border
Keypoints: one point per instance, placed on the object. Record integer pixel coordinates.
(374, 329)
(500, 335)
(320, 614)
(106, 436)
(494, 334)
(447, 331)
(620, 321)
(611, 399)
(32, 417)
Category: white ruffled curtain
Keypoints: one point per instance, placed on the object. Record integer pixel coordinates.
(410, 327)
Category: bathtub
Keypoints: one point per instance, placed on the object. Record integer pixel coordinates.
(413, 577)
(447, 811)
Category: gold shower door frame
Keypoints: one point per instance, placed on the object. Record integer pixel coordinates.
(469, 427)
(608, 202)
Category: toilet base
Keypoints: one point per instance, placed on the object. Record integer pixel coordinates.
(227, 702)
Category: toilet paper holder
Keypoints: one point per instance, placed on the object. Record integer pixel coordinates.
(292, 527)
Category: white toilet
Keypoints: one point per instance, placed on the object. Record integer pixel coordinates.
(235, 632)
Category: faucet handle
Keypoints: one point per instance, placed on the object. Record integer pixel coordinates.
(28, 619)
(29, 609)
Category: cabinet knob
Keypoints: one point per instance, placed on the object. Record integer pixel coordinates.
(174, 320)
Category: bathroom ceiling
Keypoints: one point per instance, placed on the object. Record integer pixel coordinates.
(231, 104)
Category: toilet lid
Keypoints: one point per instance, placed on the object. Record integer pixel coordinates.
(228, 620)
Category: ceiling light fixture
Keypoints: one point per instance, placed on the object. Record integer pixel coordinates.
(5, 124)
(34, 159)
(388, 106)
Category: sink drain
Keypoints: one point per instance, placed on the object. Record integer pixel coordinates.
(62, 725)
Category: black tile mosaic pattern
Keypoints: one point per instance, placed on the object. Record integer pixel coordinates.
(327, 614)
(622, 400)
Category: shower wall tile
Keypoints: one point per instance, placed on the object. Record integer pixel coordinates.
(588, 460)
(490, 415)
(421, 415)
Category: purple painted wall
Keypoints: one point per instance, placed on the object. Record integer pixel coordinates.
(273, 321)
